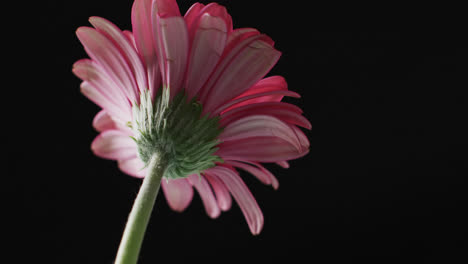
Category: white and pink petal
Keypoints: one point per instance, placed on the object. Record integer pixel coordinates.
(171, 43)
(203, 188)
(178, 193)
(241, 67)
(243, 197)
(115, 145)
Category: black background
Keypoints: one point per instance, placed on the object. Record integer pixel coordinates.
(385, 178)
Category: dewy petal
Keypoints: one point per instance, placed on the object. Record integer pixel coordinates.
(114, 144)
(222, 194)
(239, 69)
(207, 46)
(179, 193)
(285, 112)
(261, 149)
(259, 126)
(110, 58)
(113, 33)
(133, 167)
(243, 197)
(171, 43)
(203, 188)
(143, 32)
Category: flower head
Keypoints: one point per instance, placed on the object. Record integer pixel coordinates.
(192, 90)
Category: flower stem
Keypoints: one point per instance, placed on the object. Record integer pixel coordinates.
(132, 238)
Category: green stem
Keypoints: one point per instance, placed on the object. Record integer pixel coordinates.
(132, 238)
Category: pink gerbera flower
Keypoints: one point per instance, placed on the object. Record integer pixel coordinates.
(190, 90)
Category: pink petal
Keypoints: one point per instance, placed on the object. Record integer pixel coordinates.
(192, 14)
(133, 167)
(103, 101)
(303, 140)
(284, 164)
(114, 144)
(258, 173)
(270, 84)
(207, 46)
(129, 35)
(255, 126)
(103, 121)
(110, 58)
(261, 149)
(171, 44)
(243, 197)
(237, 36)
(166, 8)
(143, 32)
(196, 12)
(99, 88)
(239, 69)
(264, 175)
(285, 112)
(179, 193)
(254, 99)
(203, 188)
(222, 194)
(113, 33)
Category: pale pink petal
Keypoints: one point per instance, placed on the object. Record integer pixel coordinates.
(171, 43)
(143, 32)
(222, 194)
(129, 35)
(100, 99)
(284, 164)
(113, 33)
(103, 121)
(243, 197)
(101, 89)
(264, 175)
(285, 112)
(203, 188)
(178, 192)
(133, 167)
(259, 174)
(114, 144)
(242, 67)
(259, 126)
(273, 181)
(110, 58)
(261, 149)
(207, 47)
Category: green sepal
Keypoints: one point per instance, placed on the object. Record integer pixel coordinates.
(176, 130)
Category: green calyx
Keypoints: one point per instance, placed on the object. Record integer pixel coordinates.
(177, 132)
